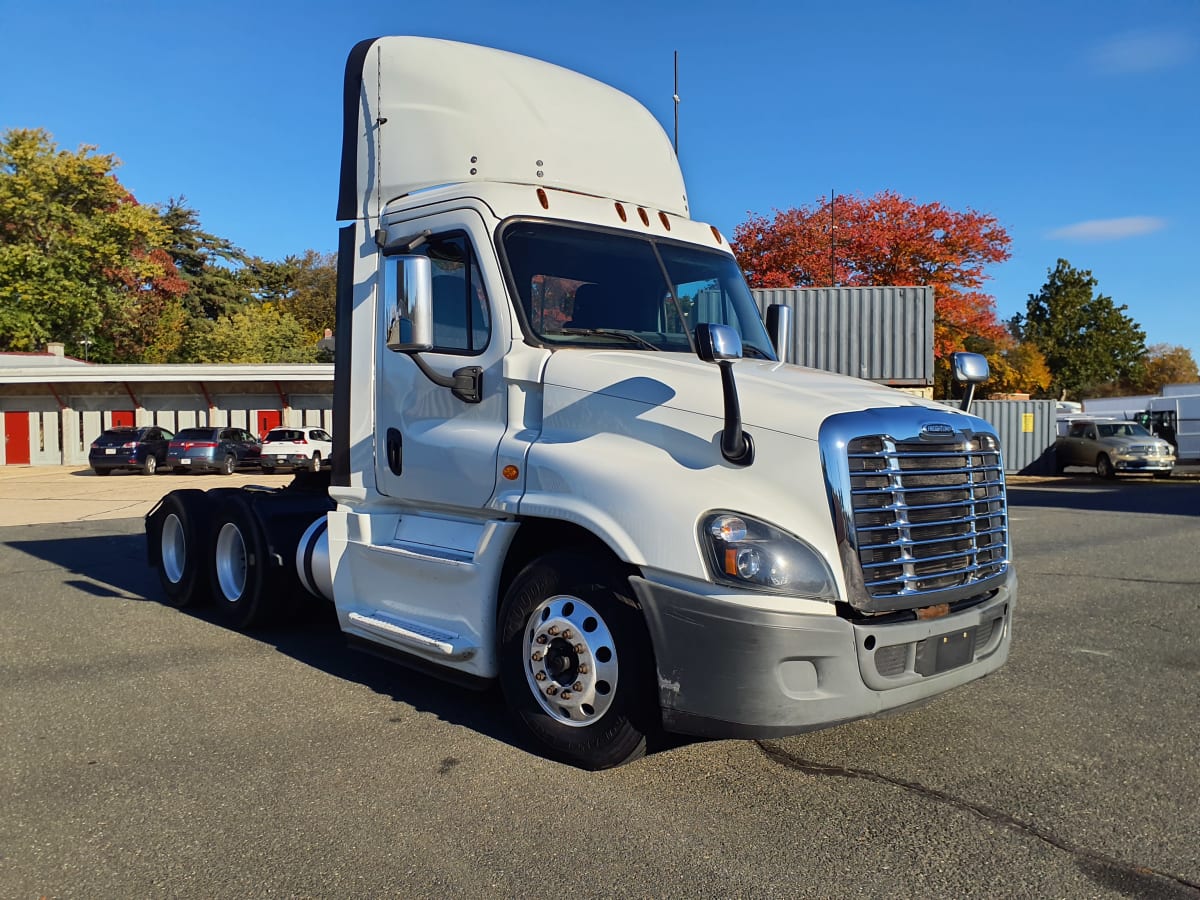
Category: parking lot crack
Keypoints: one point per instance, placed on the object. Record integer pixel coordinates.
(1150, 880)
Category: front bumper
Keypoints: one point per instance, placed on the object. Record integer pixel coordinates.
(1144, 464)
(726, 670)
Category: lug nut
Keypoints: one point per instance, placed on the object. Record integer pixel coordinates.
(566, 634)
(583, 670)
(577, 686)
(538, 656)
(540, 676)
(566, 695)
(552, 690)
(553, 629)
(579, 648)
(541, 639)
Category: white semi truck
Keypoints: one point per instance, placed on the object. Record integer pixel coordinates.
(568, 458)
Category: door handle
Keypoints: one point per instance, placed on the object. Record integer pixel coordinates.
(395, 451)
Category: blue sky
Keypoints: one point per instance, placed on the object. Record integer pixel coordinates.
(1076, 124)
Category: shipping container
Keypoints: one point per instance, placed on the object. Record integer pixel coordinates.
(1027, 433)
(883, 334)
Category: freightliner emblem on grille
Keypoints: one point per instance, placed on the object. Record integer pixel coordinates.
(937, 430)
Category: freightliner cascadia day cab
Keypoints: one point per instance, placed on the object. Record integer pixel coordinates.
(568, 458)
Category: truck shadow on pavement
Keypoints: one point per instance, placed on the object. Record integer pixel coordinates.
(1084, 494)
(114, 567)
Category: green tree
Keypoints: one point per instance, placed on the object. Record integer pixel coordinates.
(254, 333)
(212, 266)
(1086, 339)
(305, 286)
(77, 256)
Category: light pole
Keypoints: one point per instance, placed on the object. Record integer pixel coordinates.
(87, 343)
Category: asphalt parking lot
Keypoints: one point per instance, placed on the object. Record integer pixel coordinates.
(147, 751)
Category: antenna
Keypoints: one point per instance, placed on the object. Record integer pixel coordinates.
(675, 97)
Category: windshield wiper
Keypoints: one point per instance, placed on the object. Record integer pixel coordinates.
(613, 332)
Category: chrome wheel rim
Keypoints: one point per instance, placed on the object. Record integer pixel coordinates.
(173, 549)
(231, 562)
(570, 661)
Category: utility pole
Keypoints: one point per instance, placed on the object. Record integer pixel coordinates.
(832, 239)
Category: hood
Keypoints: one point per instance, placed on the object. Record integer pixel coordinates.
(772, 395)
(1146, 442)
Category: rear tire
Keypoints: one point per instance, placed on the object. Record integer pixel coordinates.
(239, 577)
(314, 464)
(575, 661)
(178, 535)
(1166, 474)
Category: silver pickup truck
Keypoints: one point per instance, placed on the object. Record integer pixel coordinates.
(1113, 448)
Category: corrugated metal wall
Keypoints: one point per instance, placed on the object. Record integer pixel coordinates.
(1027, 433)
(884, 334)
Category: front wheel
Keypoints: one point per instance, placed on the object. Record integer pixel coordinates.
(228, 465)
(1104, 467)
(1166, 474)
(575, 661)
(150, 465)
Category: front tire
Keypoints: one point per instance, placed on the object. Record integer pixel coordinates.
(575, 661)
(150, 465)
(228, 464)
(1104, 467)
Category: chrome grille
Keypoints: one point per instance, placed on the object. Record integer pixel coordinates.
(928, 516)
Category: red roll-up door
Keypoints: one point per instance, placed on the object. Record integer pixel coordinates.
(268, 419)
(16, 438)
(122, 418)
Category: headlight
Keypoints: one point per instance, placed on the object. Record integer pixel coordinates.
(747, 553)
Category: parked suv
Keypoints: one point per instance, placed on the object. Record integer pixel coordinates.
(1114, 447)
(213, 450)
(296, 448)
(126, 447)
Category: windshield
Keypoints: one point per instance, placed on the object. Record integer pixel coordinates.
(1123, 429)
(585, 287)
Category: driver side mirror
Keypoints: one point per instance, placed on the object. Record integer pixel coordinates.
(406, 301)
(969, 369)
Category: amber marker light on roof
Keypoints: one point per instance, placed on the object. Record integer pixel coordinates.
(543, 199)
(510, 472)
(645, 217)
(621, 212)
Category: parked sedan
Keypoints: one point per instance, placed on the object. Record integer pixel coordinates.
(1114, 447)
(126, 447)
(213, 450)
(296, 448)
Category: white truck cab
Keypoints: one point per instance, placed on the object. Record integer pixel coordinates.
(568, 458)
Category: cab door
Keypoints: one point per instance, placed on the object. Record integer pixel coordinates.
(435, 445)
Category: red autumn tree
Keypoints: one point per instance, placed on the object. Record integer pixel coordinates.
(883, 240)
